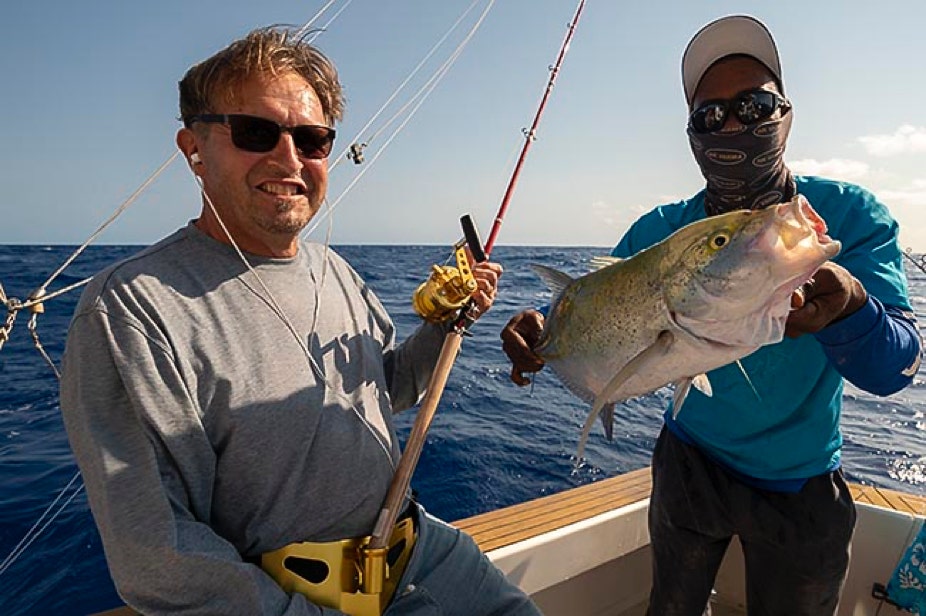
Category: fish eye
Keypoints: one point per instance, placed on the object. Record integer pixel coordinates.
(719, 240)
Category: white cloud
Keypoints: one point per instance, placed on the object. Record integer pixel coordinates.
(835, 168)
(616, 217)
(914, 196)
(906, 139)
(908, 205)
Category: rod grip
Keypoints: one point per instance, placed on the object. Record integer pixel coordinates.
(472, 238)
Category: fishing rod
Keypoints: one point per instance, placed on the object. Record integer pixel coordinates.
(442, 295)
(529, 135)
(359, 576)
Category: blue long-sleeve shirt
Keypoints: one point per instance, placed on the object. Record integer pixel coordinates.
(877, 348)
(782, 425)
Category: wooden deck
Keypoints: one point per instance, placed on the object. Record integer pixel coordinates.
(900, 501)
(503, 527)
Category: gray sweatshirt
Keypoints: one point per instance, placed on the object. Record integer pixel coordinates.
(204, 433)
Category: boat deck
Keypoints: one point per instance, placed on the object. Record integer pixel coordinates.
(502, 527)
(505, 527)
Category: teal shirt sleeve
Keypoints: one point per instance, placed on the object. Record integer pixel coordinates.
(878, 348)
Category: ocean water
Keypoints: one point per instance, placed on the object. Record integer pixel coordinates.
(491, 444)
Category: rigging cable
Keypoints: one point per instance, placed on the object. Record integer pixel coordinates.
(412, 74)
(318, 32)
(32, 533)
(305, 27)
(37, 297)
(422, 95)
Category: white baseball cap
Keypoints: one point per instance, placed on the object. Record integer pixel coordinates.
(727, 36)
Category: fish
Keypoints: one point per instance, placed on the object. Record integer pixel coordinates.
(706, 296)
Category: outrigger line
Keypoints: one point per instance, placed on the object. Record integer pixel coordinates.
(370, 578)
(354, 151)
(918, 260)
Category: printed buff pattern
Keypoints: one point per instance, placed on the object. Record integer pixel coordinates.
(907, 587)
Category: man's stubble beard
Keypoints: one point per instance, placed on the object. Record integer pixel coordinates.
(289, 224)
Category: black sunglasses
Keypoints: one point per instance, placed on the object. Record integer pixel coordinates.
(749, 107)
(254, 134)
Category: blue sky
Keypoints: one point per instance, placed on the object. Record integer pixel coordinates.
(89, 97)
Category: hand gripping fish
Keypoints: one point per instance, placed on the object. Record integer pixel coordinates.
(709, 294)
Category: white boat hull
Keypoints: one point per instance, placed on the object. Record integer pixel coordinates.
(601, 565)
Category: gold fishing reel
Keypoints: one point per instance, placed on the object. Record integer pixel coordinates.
(446, 291)
(449, 288)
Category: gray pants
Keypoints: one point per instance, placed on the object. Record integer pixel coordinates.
(447, 575)
(795, 545)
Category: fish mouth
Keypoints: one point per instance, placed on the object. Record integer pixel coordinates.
(802, 234)
(799, 222)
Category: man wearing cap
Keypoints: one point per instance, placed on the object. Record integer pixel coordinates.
(765, 468)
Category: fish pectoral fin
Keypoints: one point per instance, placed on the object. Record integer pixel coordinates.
(703, 384)
(640, 362)
(683, 386)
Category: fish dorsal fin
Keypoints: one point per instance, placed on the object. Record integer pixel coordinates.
(639, 363)
(683, 386)
(601, 261)
(555, 280)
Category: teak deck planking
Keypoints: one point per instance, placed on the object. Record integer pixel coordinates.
(502, 527)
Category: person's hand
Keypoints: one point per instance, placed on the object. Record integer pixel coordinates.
(486, 274)
(830, 295)
(519, 337)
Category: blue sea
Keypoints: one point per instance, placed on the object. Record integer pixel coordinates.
(492, 444)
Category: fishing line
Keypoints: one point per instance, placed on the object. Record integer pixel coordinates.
(32, 534)
(305, 27)
(402, 85)
(373, 137)
(312, 38)
(422, 94)
(277, 309)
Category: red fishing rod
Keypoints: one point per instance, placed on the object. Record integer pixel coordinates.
(530, 134)
(446, 296)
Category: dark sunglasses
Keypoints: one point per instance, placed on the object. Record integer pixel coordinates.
(254, 134)
(749, 107)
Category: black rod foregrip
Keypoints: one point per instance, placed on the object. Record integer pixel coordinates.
(472, 238)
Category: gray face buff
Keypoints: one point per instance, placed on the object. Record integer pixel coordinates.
(745, 168)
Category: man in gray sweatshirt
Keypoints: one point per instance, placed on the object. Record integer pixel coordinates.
(222, 405)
